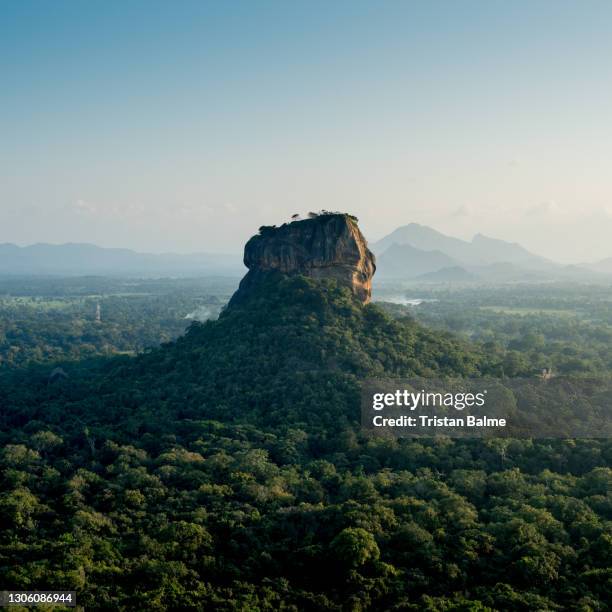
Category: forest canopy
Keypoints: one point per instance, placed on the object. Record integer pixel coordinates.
(227, 470)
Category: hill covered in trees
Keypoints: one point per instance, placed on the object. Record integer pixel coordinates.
(227, 471)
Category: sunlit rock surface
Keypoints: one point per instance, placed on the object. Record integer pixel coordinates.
(326, 246)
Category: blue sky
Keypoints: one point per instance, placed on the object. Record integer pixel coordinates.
(185, 125)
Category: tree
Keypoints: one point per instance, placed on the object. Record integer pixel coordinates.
(354, 547)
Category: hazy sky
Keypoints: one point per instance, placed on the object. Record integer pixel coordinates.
(185, 125)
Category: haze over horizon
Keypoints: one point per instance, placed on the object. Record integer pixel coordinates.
(165, 127)
(236, 253)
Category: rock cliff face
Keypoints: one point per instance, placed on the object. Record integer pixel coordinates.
(328, 246)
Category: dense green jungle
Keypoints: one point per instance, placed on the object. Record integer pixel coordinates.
(178, 455)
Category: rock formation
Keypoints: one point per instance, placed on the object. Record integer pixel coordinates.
(325, 246)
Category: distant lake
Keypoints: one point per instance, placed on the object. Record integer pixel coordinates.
(404, 301)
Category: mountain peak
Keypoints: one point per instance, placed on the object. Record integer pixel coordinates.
(328, 245)
(480, 251)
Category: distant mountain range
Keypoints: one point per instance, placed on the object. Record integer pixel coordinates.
(482, 250)
(83, 259)
(455, 274)
(413, 252)
(418, 252)
(604, 266)
(407, 261)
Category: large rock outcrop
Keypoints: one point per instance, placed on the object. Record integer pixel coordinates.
(326, 246)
